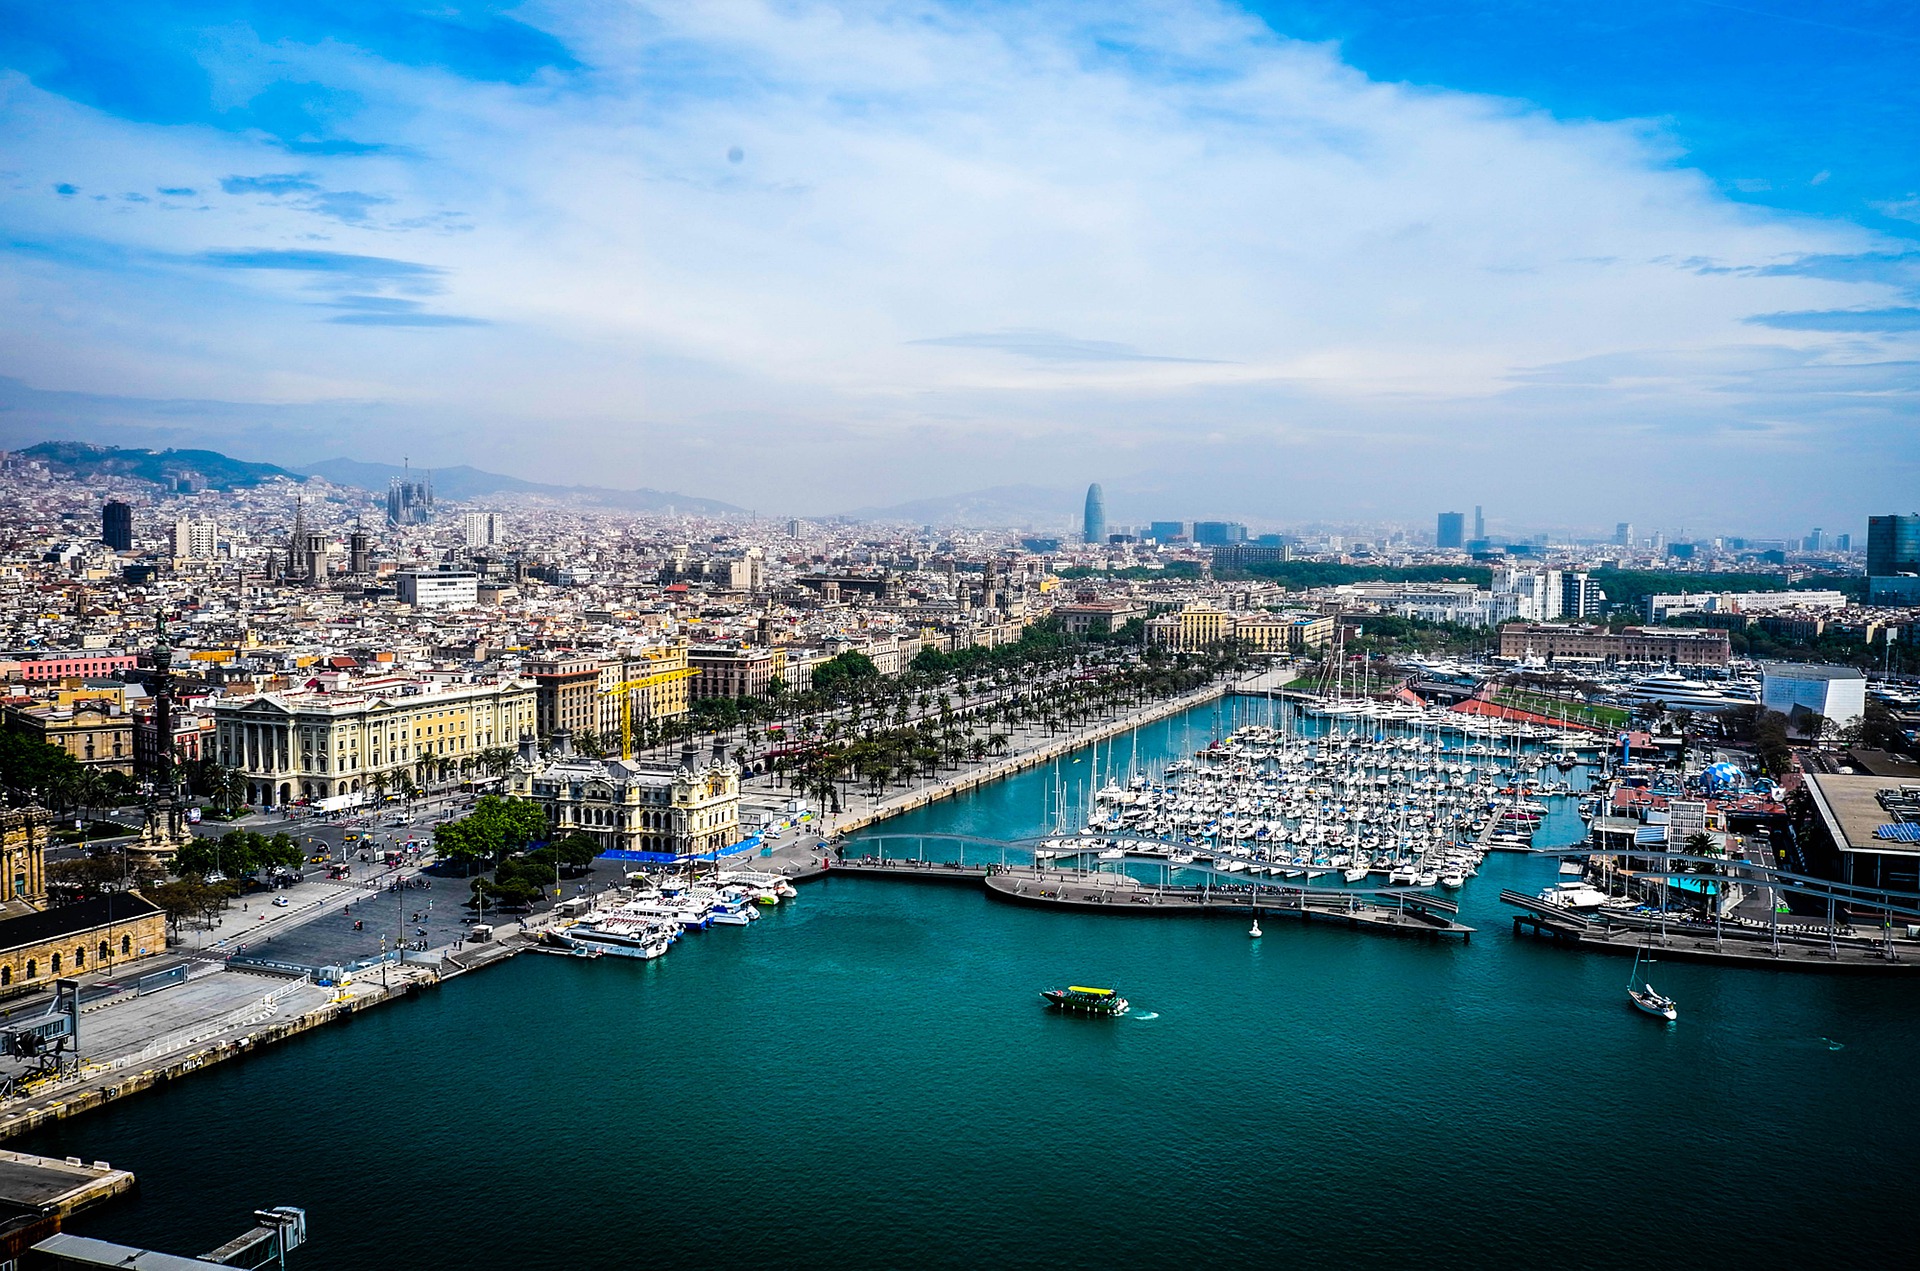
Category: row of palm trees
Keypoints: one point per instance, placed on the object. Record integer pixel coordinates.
(876, 739)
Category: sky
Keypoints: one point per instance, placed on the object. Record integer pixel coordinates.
(1648, 260)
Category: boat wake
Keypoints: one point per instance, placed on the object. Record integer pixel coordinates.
(1833, 1045)
(1143, 1015)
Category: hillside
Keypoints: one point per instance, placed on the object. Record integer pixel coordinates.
(163, 467)
(462, 482)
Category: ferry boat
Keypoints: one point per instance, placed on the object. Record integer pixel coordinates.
(1086, 1001)
(647, 943)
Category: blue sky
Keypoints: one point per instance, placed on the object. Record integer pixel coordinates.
(1286, 261)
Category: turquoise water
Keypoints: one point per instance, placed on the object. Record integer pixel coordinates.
(867, 1078)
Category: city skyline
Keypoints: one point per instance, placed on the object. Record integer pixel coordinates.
(808, 261)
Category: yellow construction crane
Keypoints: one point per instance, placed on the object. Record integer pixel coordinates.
(626, 690)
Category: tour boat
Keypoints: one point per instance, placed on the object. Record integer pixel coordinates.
(643, 943)
(1086, 1001)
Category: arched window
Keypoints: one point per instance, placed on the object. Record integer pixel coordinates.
(33, 968)
(126, 944)
(55, 970)
(6, 975)
(106, 951)
(79, 956)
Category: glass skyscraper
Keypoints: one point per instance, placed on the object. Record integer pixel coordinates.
(1893, 545)
(1094, 526)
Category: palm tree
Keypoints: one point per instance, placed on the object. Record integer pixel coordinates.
(61, 790)
(90, 791)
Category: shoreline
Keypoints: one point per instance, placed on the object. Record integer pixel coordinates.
(104, 1084)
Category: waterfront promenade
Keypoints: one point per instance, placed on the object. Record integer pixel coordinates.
(1028, 747)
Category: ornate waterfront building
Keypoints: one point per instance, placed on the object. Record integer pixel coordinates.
(334, 737)
(622, 805)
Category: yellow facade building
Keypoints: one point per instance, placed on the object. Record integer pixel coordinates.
(313, 745)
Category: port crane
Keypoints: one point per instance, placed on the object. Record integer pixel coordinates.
(625, 689)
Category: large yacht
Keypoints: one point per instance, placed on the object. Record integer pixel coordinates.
(1678, 692)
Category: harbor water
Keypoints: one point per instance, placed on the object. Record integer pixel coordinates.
(868, 1078)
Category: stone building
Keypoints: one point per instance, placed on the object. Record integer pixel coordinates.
(328, 741)
(92, 935)
(23, 859)
(622, 805)
(1680, 646)
(97, 733)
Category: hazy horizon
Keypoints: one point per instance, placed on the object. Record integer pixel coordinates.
(1286, 263)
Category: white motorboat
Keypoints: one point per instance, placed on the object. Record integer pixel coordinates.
(1574, 896)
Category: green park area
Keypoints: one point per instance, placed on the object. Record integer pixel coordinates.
(1568, 708)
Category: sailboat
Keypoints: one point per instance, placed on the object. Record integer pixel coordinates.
(1644, 998)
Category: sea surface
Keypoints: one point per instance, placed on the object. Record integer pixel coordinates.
(867, 1078)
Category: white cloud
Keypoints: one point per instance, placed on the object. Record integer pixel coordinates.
(992, 239)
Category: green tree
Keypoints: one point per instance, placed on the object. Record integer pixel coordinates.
(843, 670)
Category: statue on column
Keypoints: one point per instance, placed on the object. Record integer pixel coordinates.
(165, 827)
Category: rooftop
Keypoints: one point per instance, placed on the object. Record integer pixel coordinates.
(1810, 671)
(1850, 806)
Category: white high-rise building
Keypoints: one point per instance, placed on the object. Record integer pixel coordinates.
(482, 529)
(195, 539)
(1536, 593)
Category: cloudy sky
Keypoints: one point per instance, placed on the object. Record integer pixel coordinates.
(1579, 262)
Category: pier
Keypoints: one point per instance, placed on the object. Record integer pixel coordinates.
(1385, 910)
(1774, 947)
(1382, 910)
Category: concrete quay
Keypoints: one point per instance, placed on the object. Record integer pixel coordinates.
(57, 1188)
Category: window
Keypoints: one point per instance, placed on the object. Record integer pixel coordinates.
(33, 968)
(126, 944)
(56, 964)
(106, 951)
(6, 975)
(79, 956)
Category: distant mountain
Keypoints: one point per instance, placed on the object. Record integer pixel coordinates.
(1003, 506)
(461, 483)
(454, 484)
(163, 467)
